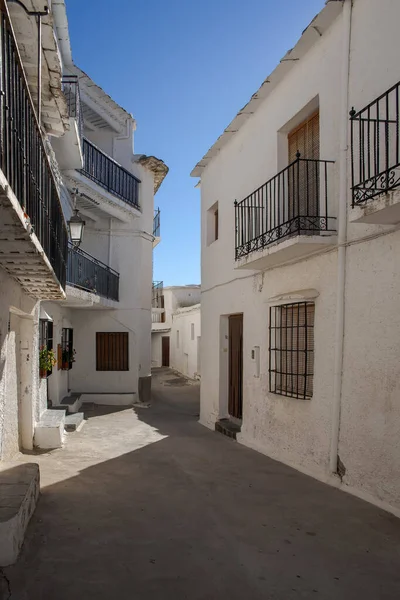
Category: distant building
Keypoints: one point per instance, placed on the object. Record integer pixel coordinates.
(300, 210)
(176, 328)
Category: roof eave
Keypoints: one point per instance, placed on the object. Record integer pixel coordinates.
(318, 26)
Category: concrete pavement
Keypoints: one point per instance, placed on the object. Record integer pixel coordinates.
(147, 504)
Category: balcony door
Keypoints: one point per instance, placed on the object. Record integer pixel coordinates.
(304, 178)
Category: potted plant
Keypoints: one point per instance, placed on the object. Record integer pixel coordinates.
(47, 360)
(68, 357)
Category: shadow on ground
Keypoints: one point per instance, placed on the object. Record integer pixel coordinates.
(193, 515)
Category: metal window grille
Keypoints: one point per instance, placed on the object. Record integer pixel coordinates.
(67, 348)
(112, 351)
(46, 337)
(291, 349)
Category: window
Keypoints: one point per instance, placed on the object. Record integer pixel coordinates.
(291, 343)
(192, 331)
(112, 351)
(212, 224)
(67, 348)
(177, 339)
(46, 337)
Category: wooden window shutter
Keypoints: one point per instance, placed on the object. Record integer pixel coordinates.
(112, 351)
(305, 139)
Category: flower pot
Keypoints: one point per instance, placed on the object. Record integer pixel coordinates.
(43, 373)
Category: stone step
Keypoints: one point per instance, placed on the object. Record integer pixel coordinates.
(227, 427)
(49, 432)
(71, 403)
(19, 493)
(74, 422)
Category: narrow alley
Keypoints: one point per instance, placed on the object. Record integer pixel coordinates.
(148, 504)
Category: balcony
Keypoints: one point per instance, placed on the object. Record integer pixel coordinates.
(109, 175)
(86, 273)
(157, 307)
(68, 148)
(156, 228)
(33, 233)
(375, 160)
(287, 218)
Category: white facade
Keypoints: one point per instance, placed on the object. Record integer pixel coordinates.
(167, 301)
(347, 433)
(93, 305)
(186, 341)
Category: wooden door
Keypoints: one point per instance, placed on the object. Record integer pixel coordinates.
(165, 351)
(304, 181)
(236, 366)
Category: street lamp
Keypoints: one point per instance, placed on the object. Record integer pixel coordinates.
(76, 225)
(38, 14)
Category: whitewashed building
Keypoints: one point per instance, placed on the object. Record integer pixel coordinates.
(171, 345)
(300, 211)
(186, 341)
(88, 306)
(105, 321)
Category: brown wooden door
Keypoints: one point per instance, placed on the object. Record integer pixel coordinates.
(236, 366)
(165, 351)
(304, 181)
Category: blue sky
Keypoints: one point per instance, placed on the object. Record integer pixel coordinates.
(183, 69)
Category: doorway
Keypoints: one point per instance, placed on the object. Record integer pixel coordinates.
(165, 351)
(235, 400)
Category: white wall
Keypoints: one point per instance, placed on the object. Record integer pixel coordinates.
(298, 432)
(174, 298)
(127, 248)
(187, 322)
(22, 394)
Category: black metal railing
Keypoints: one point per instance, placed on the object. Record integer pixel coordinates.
(157, 294)
(156, 223)
(23, 157)
(375, 147)
(107, 173)
(294, 202)
(87, 273)
(70, 87)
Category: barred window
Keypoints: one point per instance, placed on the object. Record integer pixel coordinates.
(67, 348)
(291, 349)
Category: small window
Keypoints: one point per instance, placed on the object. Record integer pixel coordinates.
(112, 351)
(177, 339)
(291, 342)
(46, 337)
(212, 224)
(67, 348)
(192, 331)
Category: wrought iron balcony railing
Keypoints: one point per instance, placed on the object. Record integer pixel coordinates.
(87, 273)
(156, 223)
(375, 147)
(23, 157)
(107, 173)
(294, 202)
(70, 87)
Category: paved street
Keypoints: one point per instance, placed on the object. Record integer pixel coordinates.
(146, 504)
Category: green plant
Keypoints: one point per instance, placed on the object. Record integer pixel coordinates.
(47, 359)
(68, 356)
